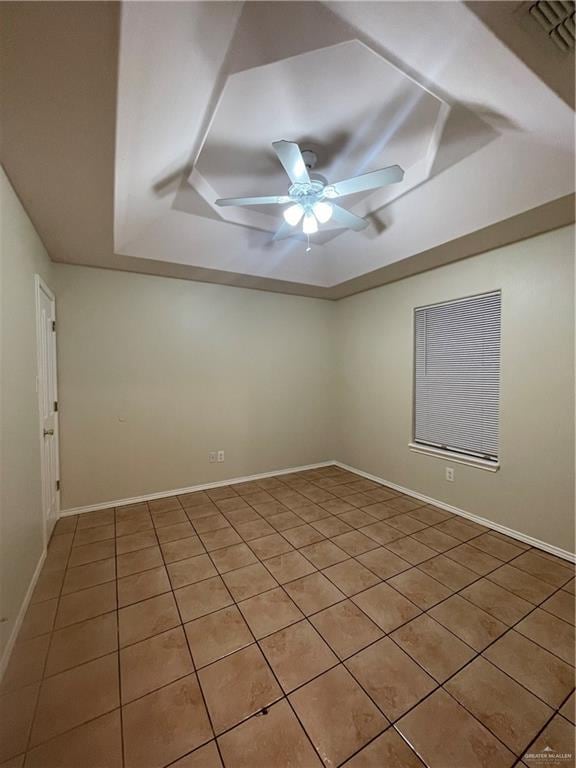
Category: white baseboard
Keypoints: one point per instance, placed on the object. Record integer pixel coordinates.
(553, 550)
(5, 658)
(190, 489)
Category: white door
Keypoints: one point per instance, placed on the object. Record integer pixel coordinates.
(48, 404)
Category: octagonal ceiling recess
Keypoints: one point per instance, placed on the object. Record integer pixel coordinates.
(205, 88)
(335, 101)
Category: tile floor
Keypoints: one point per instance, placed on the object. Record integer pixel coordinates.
(310, 618)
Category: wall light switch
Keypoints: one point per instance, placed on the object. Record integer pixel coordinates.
(220, 456)
(450, 474)
(212, 457)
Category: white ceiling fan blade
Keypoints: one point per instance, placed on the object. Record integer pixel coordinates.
(346, 219)
(366, 181)
(291, 158)
(270, 200)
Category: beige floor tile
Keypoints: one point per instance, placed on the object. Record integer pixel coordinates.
(203, 757)
(174, 532)
(313, 593)
(337, 507)
(249, 581)
(387, 751)
(275, 740)
(386, 607)
(468, 622)
(243, 514)
(445, 735)
(331, 526)
(383, 563)
(448, 572)
(507, 709)
(406, 523)
(79, 643)
(89, 575)
(461, 529)
(201, 510)
(381, 532)
(254, 529)
(39, 619)
(93, 745)
(311, 512)
(164, 505)
(141, 586)
(392, 679)
(269, 612)
(502, 550)
(190, 571)
(380, 510)
(182, 549)
(302, 535)
(433, 647)
(86, 604)
(217, 635)
(136, 541)
(47, 587)
(270, 508)
(568, 709)
(270, 546)
(76, 696)
(136, 562)
(92, 535)
(284, 521)
(345, 628)
(351, 577)
(169, 517)
(289, 566)
(16, 714)
(65, 525)
(497, 601)
(419, 588)
(26, 663)
(210, 523)
(204, 597)
(194, 499)
(225, 492)
(297, 654)
(324, 553)
(355, 542)
(435, 539)
(561, 605)
(233, 557)
(153, 663)
(137, 525)
(557, 736)
(521, 584)
(165, 725)
(547, 676)
(543, 568)
(411, 550)
(238, 686)
(95, 519)
(237, 502)
(474, 558)
(337, 715)
(150, 617)
(224, 537)
(405, 503)
(552, 633)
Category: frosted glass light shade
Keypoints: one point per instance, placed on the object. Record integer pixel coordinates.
(310, 225)
(322, 211)
(293, 214)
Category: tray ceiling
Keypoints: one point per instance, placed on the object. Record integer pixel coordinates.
(163, 107)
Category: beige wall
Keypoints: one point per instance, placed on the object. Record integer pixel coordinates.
(155, 372)
(22, 255)
(534, 490)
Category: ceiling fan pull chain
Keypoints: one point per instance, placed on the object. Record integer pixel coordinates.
(308, 247)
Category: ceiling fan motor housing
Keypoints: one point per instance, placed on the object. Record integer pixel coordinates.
(310, 158)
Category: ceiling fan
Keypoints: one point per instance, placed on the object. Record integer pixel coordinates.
(310, 197)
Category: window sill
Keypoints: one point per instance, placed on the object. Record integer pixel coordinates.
(458, 458)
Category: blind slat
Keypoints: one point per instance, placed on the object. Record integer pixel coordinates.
(457, 393)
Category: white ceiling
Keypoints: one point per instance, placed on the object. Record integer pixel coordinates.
(204, 88)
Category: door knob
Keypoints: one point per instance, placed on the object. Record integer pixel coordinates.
(48, 432)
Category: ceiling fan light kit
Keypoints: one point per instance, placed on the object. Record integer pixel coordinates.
(311, 197)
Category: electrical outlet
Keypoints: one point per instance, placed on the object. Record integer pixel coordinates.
(220, 456)
(450, 474)
(212, 455)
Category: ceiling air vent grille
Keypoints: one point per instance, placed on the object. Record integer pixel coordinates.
(557, 19)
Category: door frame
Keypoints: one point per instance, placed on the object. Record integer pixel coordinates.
(40, 287)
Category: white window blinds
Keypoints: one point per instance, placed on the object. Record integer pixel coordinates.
(457, 383)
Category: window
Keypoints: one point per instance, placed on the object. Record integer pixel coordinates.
(457, 377)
